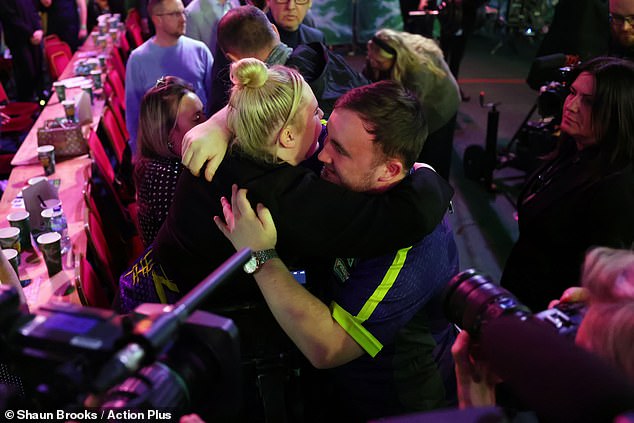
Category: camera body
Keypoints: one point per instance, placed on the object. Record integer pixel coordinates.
(60, 351)
(471, 299)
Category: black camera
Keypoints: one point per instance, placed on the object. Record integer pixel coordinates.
(471, 299)
(166, 360)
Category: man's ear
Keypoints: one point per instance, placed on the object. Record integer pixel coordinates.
(277, 31)
(392, 169)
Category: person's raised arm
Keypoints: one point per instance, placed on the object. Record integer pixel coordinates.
(206, 145)
(83, 14)
(304, 318)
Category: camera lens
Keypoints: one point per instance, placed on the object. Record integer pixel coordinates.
(471, 298)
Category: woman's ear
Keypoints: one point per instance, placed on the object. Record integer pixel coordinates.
(287, 137)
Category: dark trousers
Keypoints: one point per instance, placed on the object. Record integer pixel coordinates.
(453, 48)
(27, 70)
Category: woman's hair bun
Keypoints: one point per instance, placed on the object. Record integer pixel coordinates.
(249, 73)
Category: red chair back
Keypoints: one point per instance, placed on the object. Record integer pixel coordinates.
(117, 83)
(99, 249)
(90, 287)
(133, 18)
(134, 35)
(57, 63)
(117, 64)
(56, 46)
(118, 109)
(100, 158)
(4, 98)
(113, 133)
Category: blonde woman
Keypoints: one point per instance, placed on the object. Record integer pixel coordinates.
(417, 63)
(275, 124)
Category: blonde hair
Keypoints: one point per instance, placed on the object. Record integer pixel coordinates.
(413, 51)
(263, 101)
(608, 327)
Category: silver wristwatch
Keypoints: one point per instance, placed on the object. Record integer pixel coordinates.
(257, 260)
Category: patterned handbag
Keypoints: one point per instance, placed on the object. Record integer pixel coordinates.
(65, 136)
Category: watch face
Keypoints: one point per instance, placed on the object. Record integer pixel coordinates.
(251, 265)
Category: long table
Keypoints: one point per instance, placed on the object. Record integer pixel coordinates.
(73, 174)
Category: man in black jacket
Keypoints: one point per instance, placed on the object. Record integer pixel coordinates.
(23, 35)
(246, 32)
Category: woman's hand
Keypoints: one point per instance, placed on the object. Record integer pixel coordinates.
(242, 226)
(476, 385)
(206, 143)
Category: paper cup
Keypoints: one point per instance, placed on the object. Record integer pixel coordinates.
(50, 245)
(46, 215)
(46, 155)
(21, 220)
(69, 109)
(12, 257)
(96, 78)
(10, 238)
(60, 89)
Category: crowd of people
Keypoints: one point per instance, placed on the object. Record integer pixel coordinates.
(344, 176)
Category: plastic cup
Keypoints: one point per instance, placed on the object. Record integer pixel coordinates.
(96, 78)
(102, 41)
(10, 238)
(102, 60)
(103, 27)
(12, 257)
(21, 220)
(69, 109)
(46, 155)
(60, 89)
(50, 245)
(94, 37)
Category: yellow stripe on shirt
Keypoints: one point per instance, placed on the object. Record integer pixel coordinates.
(353, 325)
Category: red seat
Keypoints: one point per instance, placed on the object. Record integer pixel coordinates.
(133, 18)
(57, 62)
(118, 109)
(90, 288)
(55, 45)
(114, 134)
(16, 108)
(134, 35)
(117, 65)
(99, 250)
(17, 124)
(117, 84)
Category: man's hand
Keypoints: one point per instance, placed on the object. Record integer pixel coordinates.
(476, 385)
(46, 3)
(36, 38)
(242, 226)
(83, 32)
(574, 294)
(206, 143)
(4, 118)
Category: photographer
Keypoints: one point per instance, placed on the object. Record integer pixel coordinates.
(607, 331)
(583, 195)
